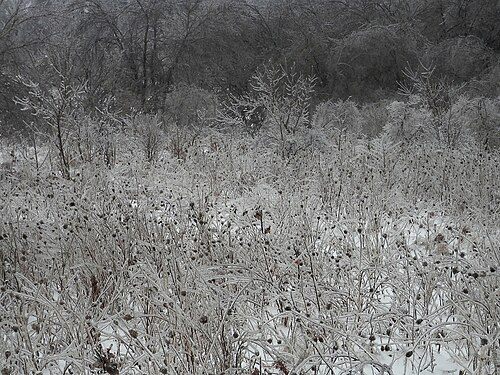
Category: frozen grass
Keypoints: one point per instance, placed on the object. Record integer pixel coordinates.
(365, 258)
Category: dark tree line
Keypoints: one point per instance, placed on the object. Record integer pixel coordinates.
(130, 54)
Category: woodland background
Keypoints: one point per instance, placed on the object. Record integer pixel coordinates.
(135, 55)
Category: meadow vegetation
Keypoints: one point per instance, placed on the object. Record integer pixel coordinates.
(224, 243)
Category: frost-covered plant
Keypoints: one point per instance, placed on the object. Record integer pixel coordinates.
(436, 97)
(279, 102)
(480, 118)
(57, 109)
(374, 116)
(188, 112)
(149, 134)
(187, 105)
(94, 139)
(340, 115)
(407, 122)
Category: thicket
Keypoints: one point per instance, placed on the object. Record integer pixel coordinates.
(208, 249)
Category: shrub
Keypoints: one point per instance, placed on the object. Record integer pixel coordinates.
(407, 121)
(374, 116)
(147, 129)
(341, 116)
(278, 102)
(56, 110)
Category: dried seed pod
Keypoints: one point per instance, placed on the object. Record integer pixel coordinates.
(133, 333)
(439, 238)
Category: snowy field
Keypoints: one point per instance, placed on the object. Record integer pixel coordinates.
(359, 257)
(250, 187)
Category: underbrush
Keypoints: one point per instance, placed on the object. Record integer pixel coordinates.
(367, 257)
